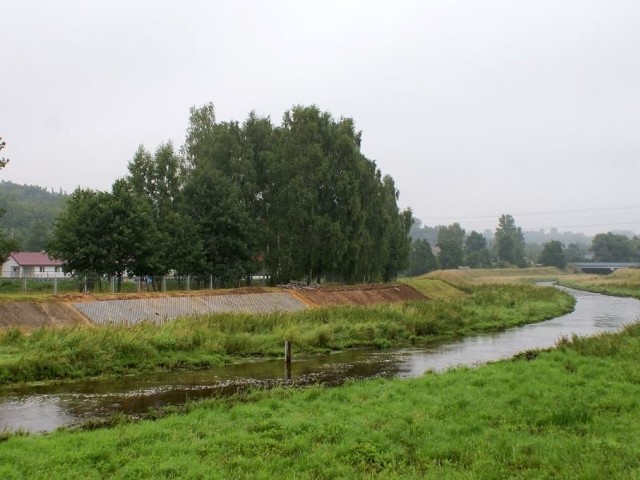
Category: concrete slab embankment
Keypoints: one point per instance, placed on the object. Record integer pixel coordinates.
(159, 310)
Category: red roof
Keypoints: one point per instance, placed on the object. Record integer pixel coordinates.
(35, 259)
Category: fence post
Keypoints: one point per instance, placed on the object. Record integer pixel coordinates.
(55, 285)
(210, 282)
(24, 284)
(188, 283)
(164, 283)
(287, 360)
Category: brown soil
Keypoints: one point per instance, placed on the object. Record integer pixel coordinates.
(59, 312)
(356, 295)
(29, 315)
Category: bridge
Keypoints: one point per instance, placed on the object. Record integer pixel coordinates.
(603, 267)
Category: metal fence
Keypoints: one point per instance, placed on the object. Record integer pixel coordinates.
(62, 285)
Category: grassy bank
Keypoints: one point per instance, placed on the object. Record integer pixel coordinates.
(47, 354)
(623, 283)
(569, 413)
(467, 278)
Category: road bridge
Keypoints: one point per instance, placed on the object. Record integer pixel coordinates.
(603, 267)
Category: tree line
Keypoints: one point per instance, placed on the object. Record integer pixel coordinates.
(28, 214)
(296, 201)
(455, 248)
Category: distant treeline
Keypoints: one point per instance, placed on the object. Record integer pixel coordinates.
(450, 246)
(28, 214)
(296, 201)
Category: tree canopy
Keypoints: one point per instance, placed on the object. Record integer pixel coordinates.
(476, 253)
(451, 243)
(553, 255)
(295, 201)
(612, 247)
(422, 258)
(509, 242)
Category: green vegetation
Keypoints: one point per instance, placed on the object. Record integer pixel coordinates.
(295, 201)
(29, 213)
(569, 413)
(623, 283)
(197, 342)
(553, 255)
(613, 247)
(468, 278)
(435, 289)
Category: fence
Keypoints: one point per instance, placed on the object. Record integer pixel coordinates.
(52, 285)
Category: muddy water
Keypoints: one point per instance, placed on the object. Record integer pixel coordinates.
(46, 408)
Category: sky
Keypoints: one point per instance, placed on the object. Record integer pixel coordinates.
(475, 108)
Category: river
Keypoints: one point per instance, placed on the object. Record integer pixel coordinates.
(45, 408)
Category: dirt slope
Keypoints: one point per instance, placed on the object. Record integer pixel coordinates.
(356, 295)
(59, 312)
(30, 315)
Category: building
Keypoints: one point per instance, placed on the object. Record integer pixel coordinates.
(31, 265)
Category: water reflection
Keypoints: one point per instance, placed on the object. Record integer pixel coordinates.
(45, 408)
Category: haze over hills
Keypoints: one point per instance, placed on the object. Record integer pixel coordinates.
(430, 233)
(29, 213)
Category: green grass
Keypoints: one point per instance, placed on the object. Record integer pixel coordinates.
(198, 342)
(623, 283)
(568, 413)
(468, 278)
(435, 289)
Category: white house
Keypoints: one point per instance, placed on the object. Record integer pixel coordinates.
(31, 265)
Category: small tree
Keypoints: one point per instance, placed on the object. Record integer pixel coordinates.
(509, 242)
(553, 255)
(612, 247)
(422, 258)
(476, 253)
(450, 241)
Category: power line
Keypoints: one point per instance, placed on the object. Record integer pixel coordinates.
(541, 213)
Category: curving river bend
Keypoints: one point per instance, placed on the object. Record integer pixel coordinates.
(46, 408)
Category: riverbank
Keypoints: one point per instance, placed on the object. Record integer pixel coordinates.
(204, 341)
(28, 312)
(622, 283)
(566, 413)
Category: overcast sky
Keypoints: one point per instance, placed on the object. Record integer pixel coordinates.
(476, 108)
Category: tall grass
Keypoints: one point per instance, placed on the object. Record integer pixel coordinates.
(622, 283)
(471, 277)
(197, 342)
(568, 413)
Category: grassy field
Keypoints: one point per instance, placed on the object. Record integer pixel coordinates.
(199, 342)
(466, 278)
(624, 283)
(569, 413)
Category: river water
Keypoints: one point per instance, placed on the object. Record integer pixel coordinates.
(45, 408)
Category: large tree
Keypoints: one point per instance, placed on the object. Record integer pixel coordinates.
(476, 253)
(451, 244)
(224, 243)
(612, 247)
(509, 242)
(102, 233)
(158, 180)
(422, 258)
(553, 255)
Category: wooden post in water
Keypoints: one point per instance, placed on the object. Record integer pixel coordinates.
(287, 360)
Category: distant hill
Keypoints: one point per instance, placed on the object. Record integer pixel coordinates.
(29, 213)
